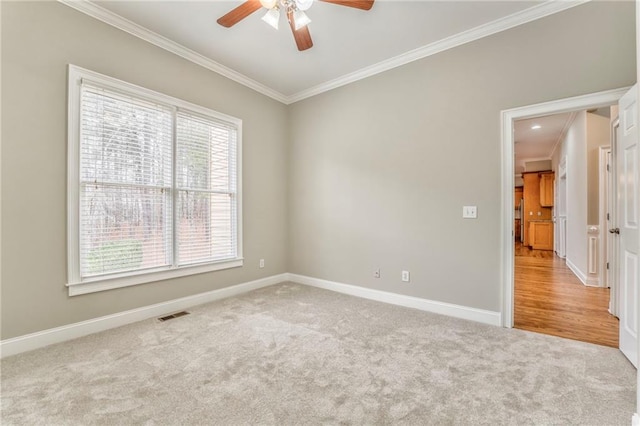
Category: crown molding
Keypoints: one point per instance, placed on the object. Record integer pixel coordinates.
(536, 12)
(108, 17)
(563, 133)
(533, 159)
(502, 24)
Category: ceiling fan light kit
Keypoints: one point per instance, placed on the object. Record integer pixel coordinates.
(294, 9)
(300, 19)
(272, 17)
(303, 4)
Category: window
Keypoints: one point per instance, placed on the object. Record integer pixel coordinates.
(153, 186)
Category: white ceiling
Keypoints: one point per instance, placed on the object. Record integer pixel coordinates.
(538, 144)
(348, 43)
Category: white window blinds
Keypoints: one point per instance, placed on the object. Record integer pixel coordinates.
(125, 183)
(157, 185)
(206, 189)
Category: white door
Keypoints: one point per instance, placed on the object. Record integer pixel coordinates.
(628, 222)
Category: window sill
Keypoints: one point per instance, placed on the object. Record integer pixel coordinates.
(102, 283)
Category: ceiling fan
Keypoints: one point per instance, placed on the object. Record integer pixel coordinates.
(294, 10)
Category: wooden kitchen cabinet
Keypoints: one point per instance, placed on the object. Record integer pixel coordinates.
(546, 189)
(541, 235)
(533, 210)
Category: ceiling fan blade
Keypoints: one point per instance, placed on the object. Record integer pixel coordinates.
(358, 4)
(302, 36)
(239, 13)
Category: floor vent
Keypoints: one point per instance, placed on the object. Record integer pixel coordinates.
(172, 316)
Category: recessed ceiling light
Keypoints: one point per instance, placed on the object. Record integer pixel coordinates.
(536, 127)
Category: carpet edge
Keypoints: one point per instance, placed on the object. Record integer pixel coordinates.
(433, 306)
(40, 339)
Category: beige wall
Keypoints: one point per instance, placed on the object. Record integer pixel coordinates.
(38, 41)
(381, 168)
(537, 166)
(334, 186)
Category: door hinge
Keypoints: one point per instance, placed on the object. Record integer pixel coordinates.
(607, 265)
(607, 216)
(608, 169)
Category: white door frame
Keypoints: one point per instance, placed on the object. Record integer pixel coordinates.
(560, 209)
(636, 416)
(508, 117)
(604, 153)
(611, 253)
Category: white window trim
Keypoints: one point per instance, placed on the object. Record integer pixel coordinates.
(74, 283)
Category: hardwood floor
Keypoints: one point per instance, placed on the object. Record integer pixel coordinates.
(550, 299)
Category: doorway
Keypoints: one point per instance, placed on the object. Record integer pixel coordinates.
(558, 288)
(508, 118)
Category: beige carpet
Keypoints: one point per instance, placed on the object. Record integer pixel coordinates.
(290, 354)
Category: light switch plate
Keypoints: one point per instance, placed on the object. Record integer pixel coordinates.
(470, 212)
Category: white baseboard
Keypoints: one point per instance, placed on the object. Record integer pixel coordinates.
(48, 337)
(457, 311)
(576, 271)
(593, 282)
(584, 278)
(51, 336)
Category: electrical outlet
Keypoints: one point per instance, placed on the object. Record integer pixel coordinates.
(262, 263)
(376, 273)
(405, 276)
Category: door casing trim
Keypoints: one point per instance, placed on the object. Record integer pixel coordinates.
(507, 117)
